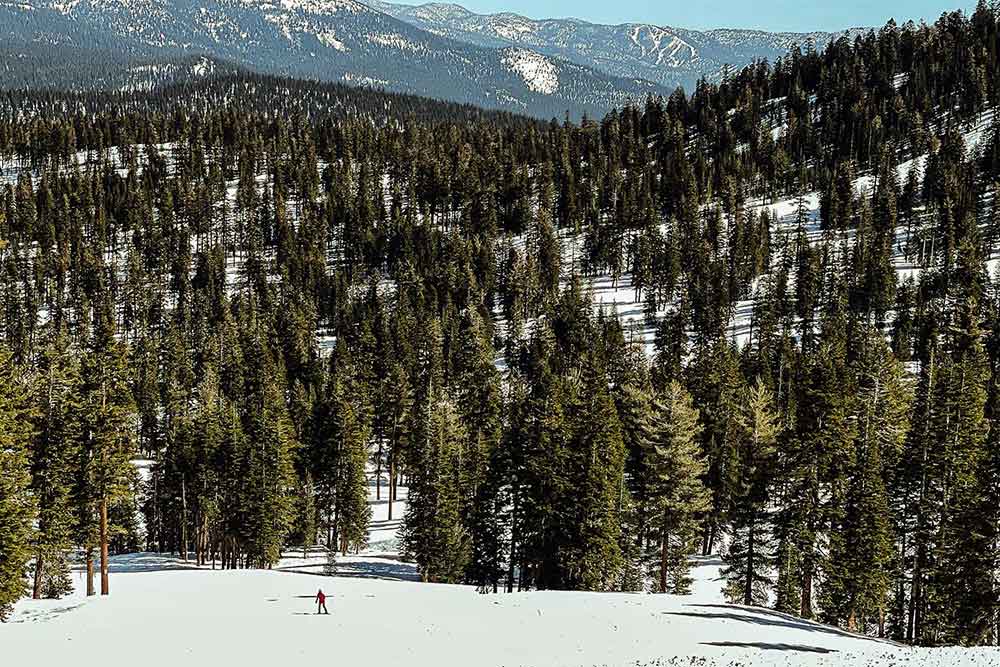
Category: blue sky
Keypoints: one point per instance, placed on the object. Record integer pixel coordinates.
(798, 15)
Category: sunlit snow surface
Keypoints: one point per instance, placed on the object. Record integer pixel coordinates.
(539, 73)
(162, 614)
(166, 612)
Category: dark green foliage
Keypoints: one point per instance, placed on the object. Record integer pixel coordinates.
(750, 553)
(433, 534)
(17, 506)
(56, 449)
(678, 500)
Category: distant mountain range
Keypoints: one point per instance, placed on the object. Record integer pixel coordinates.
(664, 55)
(542, 68)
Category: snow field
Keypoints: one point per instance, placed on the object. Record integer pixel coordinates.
(162, 613)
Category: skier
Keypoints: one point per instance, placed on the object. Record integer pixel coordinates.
(321, 602)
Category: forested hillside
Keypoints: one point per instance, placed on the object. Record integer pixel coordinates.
(273, 291)
(99, 45)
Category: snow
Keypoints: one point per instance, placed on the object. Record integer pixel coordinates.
(538, 72)
(513, 29)
(258, 617)
(393, 40)
(329, 39)
(65, 8)
(976, 130)
(364, 80)
(202, 67)
(380, 613)
(663, 45)
(322, 7)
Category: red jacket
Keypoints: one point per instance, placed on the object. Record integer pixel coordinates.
(320, 598)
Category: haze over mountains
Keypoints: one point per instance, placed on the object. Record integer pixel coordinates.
(543, 68)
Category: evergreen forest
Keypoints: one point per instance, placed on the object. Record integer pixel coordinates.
(271, 293)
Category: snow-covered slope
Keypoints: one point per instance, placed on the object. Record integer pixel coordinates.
(164, 612)
(666, 55)
(618, 296)
(437, 50)
(330, 40)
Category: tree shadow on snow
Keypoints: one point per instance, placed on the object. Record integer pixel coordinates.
(767, 646)
(144, 562)
(44, 613)
(705, 561)
(385, 524)
(767, 617)
(361, 569)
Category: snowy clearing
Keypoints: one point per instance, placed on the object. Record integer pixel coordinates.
(250, 617)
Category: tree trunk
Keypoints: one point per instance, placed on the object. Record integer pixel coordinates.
(748, 593)
(329, 527)
(156, 513)
(90, 571)
(184, 531)
(663, 564)
(392, 483)
(805, 609)
(104, 546)
(36, 592)
(378, 472)
(513, 546)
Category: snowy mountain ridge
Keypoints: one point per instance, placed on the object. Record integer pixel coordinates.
(666, 55)
(326, 40)
(543, 68)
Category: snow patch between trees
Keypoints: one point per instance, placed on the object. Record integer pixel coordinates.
(539, 73)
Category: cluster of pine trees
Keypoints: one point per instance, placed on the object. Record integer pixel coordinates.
(278, 310)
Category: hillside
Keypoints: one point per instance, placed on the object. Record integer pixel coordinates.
(256, 618)
(541, 68)
(669, 56)
(339, 41)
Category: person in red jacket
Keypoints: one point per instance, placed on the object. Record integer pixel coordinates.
(321, 602)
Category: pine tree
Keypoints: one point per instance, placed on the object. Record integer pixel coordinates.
(860, 563)
(478, 396)
(307, 513)
(635, 406)
(591, 558)
(961, 577)
(679, 499)
(108, 428)
(271, 439)
(55, 448)
(353, 511)
(748, 561)
(433, 534)
(17, 506)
